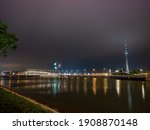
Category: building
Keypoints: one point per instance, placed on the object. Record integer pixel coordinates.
(38, 72)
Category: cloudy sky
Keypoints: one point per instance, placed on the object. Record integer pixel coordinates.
(77, 33)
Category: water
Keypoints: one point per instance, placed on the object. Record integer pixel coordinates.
(86, 94)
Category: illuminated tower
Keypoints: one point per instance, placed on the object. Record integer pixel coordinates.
(126, 57)
(55, 67)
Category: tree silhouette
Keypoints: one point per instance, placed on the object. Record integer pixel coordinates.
(7, 40)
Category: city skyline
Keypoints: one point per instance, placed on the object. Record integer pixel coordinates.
(77, 34)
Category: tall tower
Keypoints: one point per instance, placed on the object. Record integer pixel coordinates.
(126, 57)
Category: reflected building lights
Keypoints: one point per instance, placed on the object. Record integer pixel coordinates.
(48, 85)
(48, 88)
(1, 82)
(143, 90)
(58, 86)
(71, 85)
(65, 86)
(85, 86)
(55, 87)
(40, 86)
(105, 86)
(129, 96)
(9, 84)
(77, 85)
(118, 89)
(94, 86)
(18, 81)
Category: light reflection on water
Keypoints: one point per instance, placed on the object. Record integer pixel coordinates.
(102, 93)
(118, 89)
(129, 96)
(143, 90)
(85, 85)
(55, 87)
(105, 86)
(94, 86)
(77, 85)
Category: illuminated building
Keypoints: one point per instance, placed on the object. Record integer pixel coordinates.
(38, 72)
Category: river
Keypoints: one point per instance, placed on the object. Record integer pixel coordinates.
(85, 94)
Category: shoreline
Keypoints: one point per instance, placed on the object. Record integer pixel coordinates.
(44, 107)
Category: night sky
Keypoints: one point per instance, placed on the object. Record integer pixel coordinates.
(77, 33)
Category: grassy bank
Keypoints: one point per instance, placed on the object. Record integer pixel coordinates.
(11, 102)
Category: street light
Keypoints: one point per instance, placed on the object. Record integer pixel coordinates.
(93, 69)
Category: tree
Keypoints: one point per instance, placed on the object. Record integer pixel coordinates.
(136, 71)
(7, 40)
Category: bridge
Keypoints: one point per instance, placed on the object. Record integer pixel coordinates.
(121, 77)
(36, 73)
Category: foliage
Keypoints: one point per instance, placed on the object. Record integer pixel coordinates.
(7, 40)
(136, 71)
(12, 103)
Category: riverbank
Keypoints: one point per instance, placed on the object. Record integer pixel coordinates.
(11, 102)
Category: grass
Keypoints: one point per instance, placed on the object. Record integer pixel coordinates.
(14, 103)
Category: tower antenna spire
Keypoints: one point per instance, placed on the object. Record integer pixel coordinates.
(126, 57)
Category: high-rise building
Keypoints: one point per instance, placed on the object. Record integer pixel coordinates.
(126, 57)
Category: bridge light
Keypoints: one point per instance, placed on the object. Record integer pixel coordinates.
(93, 69)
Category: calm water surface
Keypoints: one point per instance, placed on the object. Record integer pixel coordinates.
(86, 94)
